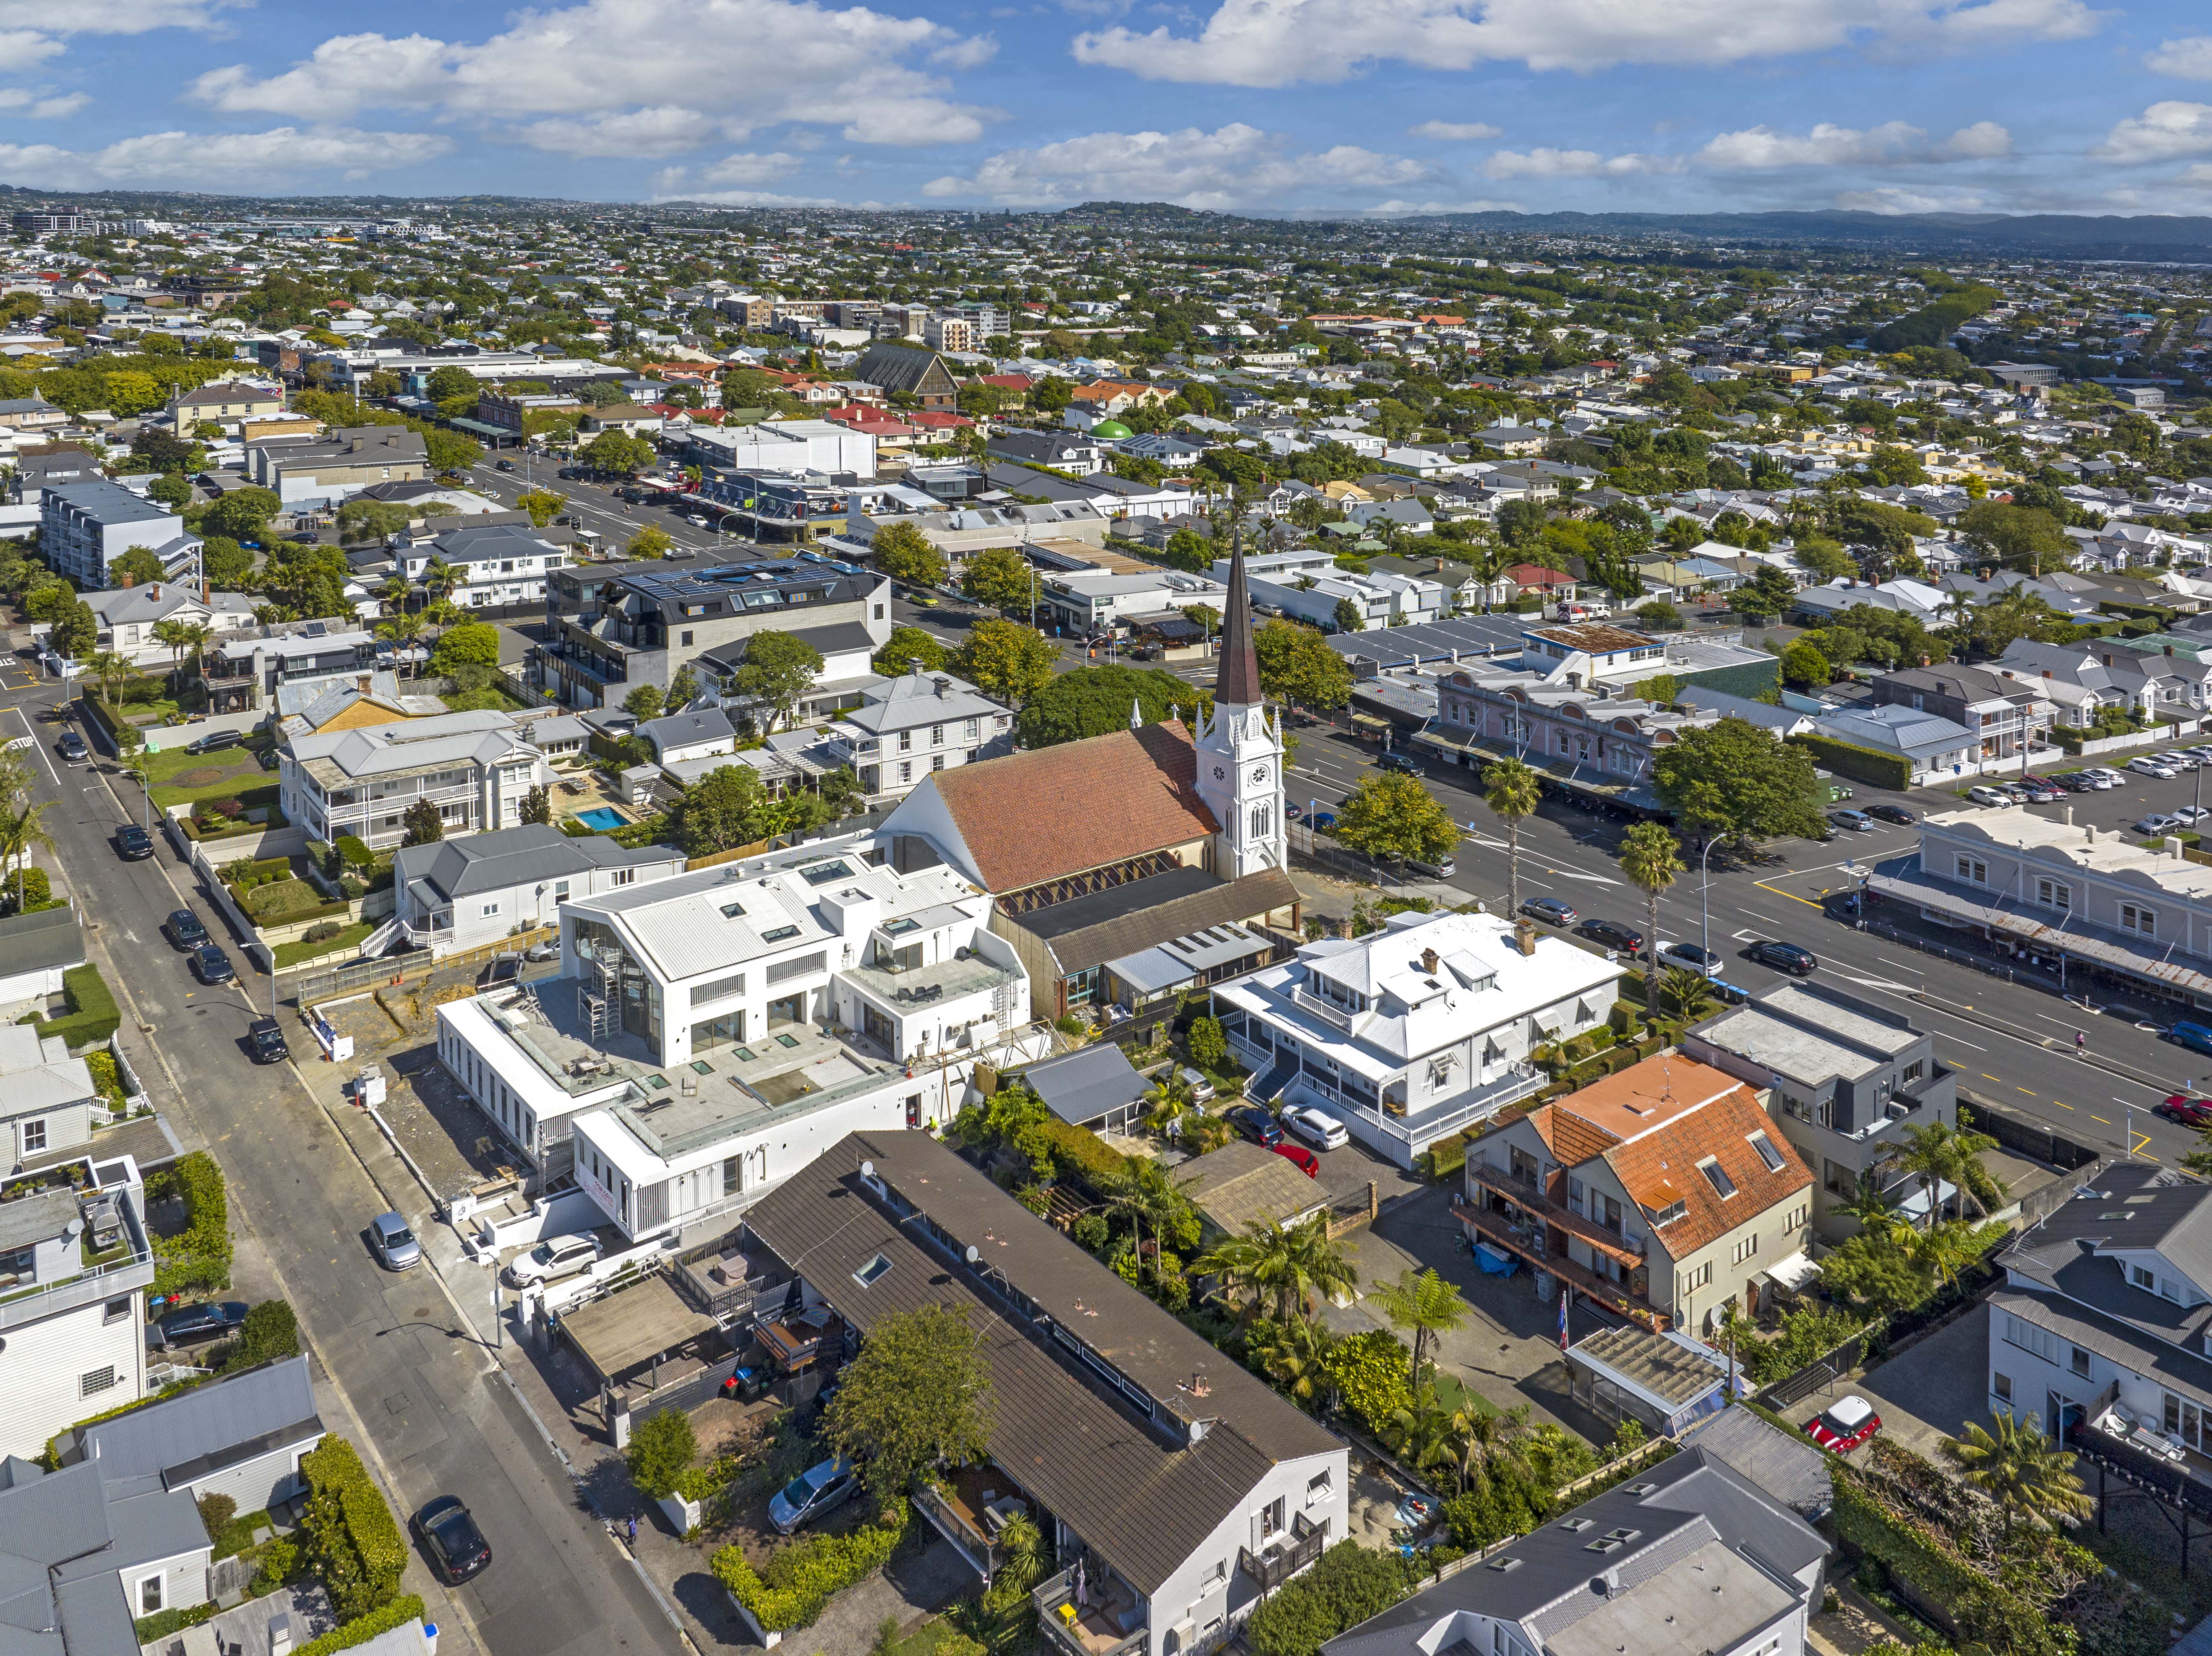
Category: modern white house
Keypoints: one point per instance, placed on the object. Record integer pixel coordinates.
(475, 767)
(711, 1033)
(1173, 1488)
(1415, 1032)
(914, 725)
(499, 564)
(459, 895)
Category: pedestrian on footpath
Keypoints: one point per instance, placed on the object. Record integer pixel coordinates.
(631, 1529)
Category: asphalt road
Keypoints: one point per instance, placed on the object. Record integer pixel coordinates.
(441, 1418)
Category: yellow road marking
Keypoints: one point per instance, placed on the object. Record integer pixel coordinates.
(2024, 1090)
(2141, 1139)
(1986, 1076)
(1779, 892)
(2061, 1106)
(2094, 1116)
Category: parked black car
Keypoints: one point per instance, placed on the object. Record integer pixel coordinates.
(266, 1037)
(1613, 934)
(211, 966)
(1784, 957)
(1399, 762)
(190, 1325)
(185, 928)
(1255, 1125)
(133, 844)
(72, 748)
(1889, 813)
(216, 740)
(457, 1548)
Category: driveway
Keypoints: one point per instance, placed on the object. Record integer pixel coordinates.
(1930, 1392)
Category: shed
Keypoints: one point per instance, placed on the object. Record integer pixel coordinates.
(38, 947)
(1243, 1185)
(640, 1324)
(1663, 1381)
(1092, 1087)
(1787, 1467)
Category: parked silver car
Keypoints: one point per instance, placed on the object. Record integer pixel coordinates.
(394, 1243)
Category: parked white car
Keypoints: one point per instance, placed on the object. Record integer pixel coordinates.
(2145, 764)
(1987, 797)
(1317, 1127)
(554, 1258)
(2105, 776)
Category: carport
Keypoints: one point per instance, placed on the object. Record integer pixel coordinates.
(640, 1327)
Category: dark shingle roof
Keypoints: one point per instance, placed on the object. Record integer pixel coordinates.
(1137, 1490)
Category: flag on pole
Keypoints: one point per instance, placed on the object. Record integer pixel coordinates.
(1564, 1292)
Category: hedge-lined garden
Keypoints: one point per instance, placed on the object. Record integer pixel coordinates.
(92, 1015)
(353, 1545)
(197, 1260)
(801, 1579)
(1868, 765)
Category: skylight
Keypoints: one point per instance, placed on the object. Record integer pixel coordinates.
(872, 1272)
(731, 911)
(1717, 1176)
(823, 873)
(779, 934)
(1767, 1153)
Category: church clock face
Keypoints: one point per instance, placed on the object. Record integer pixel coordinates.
(1258, 776)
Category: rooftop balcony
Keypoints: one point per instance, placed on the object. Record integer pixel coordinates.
(1107, 1620)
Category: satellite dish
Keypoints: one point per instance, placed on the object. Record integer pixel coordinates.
(867, 1170)
(973, 1254)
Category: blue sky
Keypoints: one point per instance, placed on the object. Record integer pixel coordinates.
(1301, 105)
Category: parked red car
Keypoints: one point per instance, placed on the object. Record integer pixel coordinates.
(1299, 1157)
(2185, 1111)
(1843, 1424)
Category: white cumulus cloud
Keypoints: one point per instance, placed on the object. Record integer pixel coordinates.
(218, 160)
(1893, 143)
(1233, 166)
(2186, 59)
(1908, 200)
(569, 75)
(1574, 164)
(2161, 133)
(1275, 42)
(1455, 131)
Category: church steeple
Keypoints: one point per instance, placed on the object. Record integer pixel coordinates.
(1237, 684)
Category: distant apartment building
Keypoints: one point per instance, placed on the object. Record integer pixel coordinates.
(345, 461)
(85, 526)
(473, 768)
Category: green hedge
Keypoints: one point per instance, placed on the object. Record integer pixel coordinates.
(198, 1259)
(800, 1579)
(1919, 1556)
(1868, 765)
(397, 1614)
(354, 850)
(1080, 1151)
(92, 1015)
(354, 1546)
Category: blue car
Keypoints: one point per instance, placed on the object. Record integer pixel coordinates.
(2195, 1036)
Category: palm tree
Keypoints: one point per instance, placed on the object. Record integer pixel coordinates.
(1648, 857)
(1286, 1264)
(112, 669)
(22, 827)
(1689, 993)
(1424, 1433)
(1937, 1154)
(1425, 1303)
(2020, 1470)
(1512, 791)
(440, 578)
(1144, 1192)
(403, 628)
(394, 592)
(1487, 1441)
(1167, 1098)
(1871, 1206)
(1020, 1550)
(1942, 1251)
(1294, 1356)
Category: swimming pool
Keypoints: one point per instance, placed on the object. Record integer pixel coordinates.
(600, 819)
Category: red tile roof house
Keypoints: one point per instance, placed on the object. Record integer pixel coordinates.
(1547, 584)
(1663, 1193)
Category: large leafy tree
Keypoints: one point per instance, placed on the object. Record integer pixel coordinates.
(471, 644)
(1393, 818)
(1000, 577)
(1734, 777)
(1005, 660)
(2021, 537)
(917, 1395)
(718, 811)
(904, 552)
(906, 645)
(1298, 666)
(1096, 702)
(241, 514)
(779, 668)
(617, 452)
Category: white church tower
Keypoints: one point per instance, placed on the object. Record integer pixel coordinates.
(1240, 748)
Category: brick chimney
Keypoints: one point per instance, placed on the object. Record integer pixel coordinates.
(1429, 961)
(1524, 936)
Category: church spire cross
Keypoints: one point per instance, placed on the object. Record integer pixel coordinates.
(1238, 682)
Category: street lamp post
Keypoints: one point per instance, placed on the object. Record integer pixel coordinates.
(1704, 899)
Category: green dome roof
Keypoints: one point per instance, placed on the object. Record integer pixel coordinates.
(1113, 429)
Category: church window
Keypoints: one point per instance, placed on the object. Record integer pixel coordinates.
(1263, 818)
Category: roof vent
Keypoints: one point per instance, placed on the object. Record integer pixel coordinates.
(1576, 1524)
(1503, 1566)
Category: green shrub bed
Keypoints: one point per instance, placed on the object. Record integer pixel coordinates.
(353, 1545)
(198, 1259)
(92, 1015)
(800, 1579)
